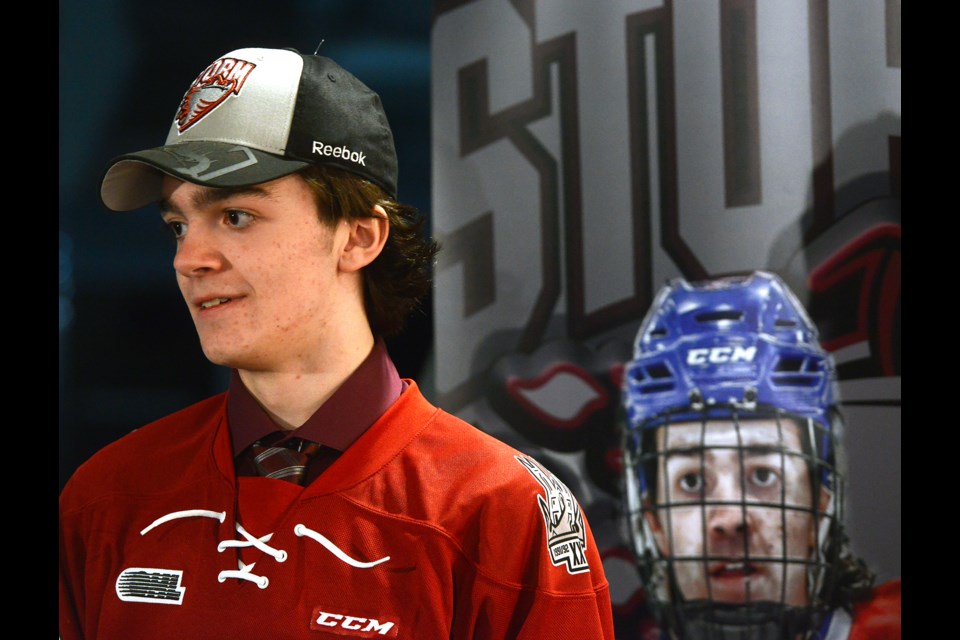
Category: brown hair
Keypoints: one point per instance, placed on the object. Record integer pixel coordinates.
(400, 277)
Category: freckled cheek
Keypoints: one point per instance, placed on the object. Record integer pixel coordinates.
(687, 525)
(295, 300)
(690, 574)
(769, 535)
(799, 535)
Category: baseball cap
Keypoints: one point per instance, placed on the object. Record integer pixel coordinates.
(255, 115)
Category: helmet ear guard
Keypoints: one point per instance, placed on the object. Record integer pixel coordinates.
(635, 493)
(731, 349)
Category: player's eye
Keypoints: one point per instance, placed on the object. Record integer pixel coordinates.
(178, 228)
(238, 219)
(691, 482)
(764, 477)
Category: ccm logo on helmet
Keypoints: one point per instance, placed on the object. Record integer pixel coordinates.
(353, 625)
(720, 355)
(339, 152)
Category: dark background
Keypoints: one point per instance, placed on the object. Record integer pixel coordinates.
(128, 352)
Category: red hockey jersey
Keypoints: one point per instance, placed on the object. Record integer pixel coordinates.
(425, 528)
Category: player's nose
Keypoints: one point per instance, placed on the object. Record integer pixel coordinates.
(727, 513)
(728, 520)
(197, 253)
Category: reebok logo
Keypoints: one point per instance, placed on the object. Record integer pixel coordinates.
(357, 157)
(721, 355)
(345, 625)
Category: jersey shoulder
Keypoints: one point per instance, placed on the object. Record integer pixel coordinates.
(167, 444)
(480, 466)
(879, 617)
(508, 513)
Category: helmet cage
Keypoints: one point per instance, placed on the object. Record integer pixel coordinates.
(644, 458)
(646, 449)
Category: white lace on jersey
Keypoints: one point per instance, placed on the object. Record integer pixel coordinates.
(245, 571)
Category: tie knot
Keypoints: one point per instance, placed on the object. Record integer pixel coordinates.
(303, 447)
(284, 461)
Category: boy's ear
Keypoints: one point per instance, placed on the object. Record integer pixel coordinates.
(366, 239)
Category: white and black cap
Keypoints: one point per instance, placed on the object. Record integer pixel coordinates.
(255, 115)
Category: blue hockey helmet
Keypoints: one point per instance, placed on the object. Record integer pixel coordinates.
(731, 341)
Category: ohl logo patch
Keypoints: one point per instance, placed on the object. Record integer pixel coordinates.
(216, 83)
(566, 536)
(161, 586)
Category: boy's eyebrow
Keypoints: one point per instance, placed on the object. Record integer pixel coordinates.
(207, 197)
(747, 449)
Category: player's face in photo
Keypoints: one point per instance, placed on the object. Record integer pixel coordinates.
(725, 522)
(257, 268)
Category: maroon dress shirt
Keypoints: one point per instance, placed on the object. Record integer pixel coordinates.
(363, 397)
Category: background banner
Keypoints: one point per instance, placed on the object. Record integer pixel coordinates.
(586, 152)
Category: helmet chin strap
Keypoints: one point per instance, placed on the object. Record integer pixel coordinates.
(707, 620)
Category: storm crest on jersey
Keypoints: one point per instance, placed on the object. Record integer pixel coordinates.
(566, 535)
(216, 83)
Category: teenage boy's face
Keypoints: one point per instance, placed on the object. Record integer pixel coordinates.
(727, 531)
(257, 269)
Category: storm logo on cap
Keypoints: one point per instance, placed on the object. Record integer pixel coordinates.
(216, 83)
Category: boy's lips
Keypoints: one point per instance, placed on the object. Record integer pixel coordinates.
(732, 570)
(209, 303)
(213, 302)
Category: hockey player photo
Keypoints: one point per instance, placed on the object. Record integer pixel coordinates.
(734, 471)
(321, 495)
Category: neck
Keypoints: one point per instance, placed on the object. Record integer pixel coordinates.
(291, 397)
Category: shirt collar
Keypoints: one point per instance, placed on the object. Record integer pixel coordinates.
(362, 398)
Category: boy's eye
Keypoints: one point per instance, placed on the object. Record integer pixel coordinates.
(691, 482)
(239, 218)
(764, 477)
(178, 228)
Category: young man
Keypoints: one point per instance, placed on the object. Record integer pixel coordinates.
(732, 485)
(278, 181)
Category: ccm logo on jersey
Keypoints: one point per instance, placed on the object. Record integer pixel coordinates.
(343, 624)
(721, 355)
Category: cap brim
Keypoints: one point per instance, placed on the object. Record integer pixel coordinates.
(135, 180)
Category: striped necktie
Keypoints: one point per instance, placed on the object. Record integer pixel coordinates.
(286, 462)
